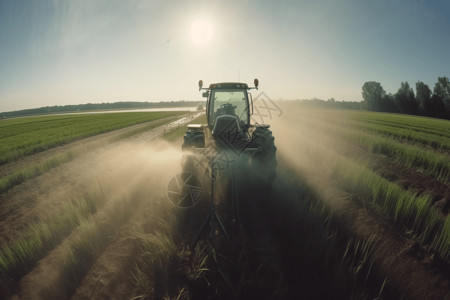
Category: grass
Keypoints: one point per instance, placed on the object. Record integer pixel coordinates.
(24, 174)
(165, 267)
(414, 124)
(413, 212)
(422, 136)
(412, 154)
(29, 172)
(435, 164)
(90, 223)
(24, 136)
(97, 231)
(22, 253)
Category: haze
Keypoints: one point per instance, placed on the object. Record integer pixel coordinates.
(73, 52)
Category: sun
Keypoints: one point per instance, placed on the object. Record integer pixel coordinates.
(201, 32)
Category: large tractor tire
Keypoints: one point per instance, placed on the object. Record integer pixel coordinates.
(189, 219)
(264, 162)
(193, 139)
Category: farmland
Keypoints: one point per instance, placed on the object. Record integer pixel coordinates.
(328, 132)
(354, 190)
(25, 136)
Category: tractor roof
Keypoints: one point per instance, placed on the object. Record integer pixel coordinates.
(228, 85)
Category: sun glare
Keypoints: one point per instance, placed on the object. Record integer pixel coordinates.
(201, 32)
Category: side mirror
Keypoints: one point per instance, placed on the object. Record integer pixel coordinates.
(200, 85)
(205, 94)
(256, 82)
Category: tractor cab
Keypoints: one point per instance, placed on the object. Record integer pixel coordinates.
(228, 102)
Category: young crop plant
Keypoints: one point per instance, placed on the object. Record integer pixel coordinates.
(413, 212)
(25, 136)
(90, 239)
(30, 172)
(22, 253)
(425, 138)
(21, 175)
(435, 164)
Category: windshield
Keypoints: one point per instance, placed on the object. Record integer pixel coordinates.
(229, 102)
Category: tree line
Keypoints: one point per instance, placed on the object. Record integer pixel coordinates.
(423, 102)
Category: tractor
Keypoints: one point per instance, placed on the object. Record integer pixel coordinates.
(229, 107)
(226, 155)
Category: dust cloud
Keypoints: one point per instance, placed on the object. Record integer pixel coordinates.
(122, 178)
(305, 146)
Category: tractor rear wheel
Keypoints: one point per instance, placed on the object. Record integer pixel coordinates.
(264, 161)
(193, 139)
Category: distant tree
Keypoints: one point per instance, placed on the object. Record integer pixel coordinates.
(437, 108)
(405, 100)
(373, 93)
(441, 92)
(423, 98)
(388, 103)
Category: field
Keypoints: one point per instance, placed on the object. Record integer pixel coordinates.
(358, 210)
(25, 136)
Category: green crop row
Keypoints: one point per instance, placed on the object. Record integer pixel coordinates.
(413, 212)
(430, 138)
(96, 217)
(29, 172)
(433, 163)
(25, 136)
(22, 253)
(94, 234)
(407, 129)
(414, 123)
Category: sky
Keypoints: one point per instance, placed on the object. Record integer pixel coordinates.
(59, 52)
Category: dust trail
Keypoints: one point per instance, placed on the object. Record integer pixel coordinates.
(305, 139)
(284, 249)
(123, 175)
(49, 191)
(306, 147)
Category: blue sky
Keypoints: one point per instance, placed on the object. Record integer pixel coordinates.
(70, 52)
